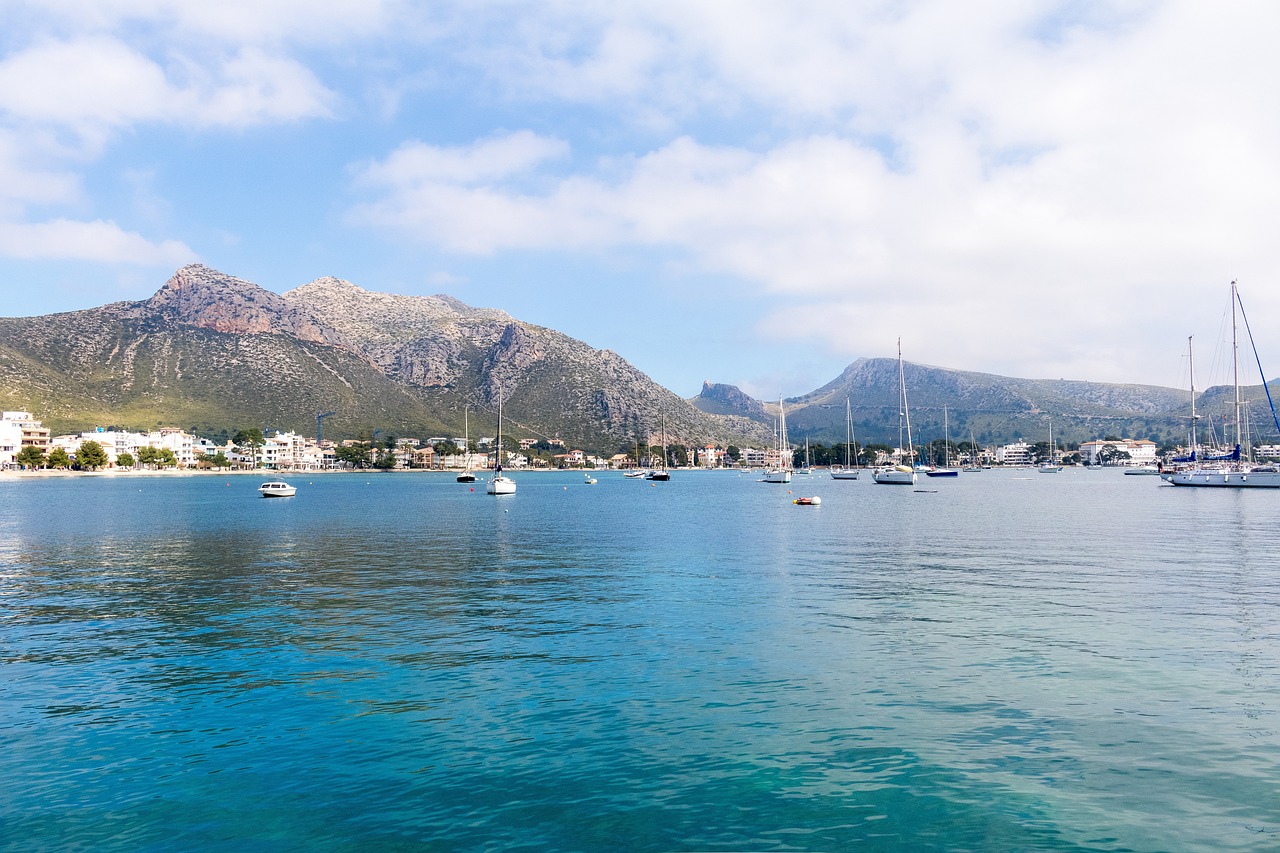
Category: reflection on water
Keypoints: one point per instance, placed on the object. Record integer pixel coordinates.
(1076, 662)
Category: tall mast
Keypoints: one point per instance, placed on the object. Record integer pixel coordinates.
(1235, 361)
(906, 413)
(1191, 368)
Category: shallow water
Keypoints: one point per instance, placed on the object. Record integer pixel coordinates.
(1005, 661)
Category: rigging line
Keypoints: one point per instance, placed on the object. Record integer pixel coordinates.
(1256, 358)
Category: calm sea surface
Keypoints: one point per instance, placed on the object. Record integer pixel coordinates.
(1006, 661)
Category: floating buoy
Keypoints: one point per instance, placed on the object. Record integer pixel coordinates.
(813, 501)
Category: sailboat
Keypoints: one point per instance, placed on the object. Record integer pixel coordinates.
(848, 472)
(946, 470)
(975, 463)
(899, 475)
(637, 472)
(661, 474)
(806, 470)
(500, 484)
(1233, 470)
(782, 473)
(1051, 466)
(466, 476)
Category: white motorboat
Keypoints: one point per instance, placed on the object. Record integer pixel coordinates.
(277, 489)
(587, 479)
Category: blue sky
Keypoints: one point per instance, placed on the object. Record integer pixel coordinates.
(747, 192)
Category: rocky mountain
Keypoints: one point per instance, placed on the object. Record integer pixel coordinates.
(991, 408)
(214, 353)
(716, 399)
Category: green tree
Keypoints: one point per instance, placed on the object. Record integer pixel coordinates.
(356, 455)
(30, 457)
(732, 454)
(386, 460)
(90, 456)
(248, 441)
(148, 456)
(124, 460)
(58, 458)
(165, 458)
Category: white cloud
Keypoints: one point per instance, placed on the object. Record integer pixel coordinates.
(101, 241)
(990, 163)
(89, 84)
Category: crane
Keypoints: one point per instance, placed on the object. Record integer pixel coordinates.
(320, 416)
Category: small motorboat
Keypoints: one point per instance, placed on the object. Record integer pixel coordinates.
(813, 501)
(277, 489)
(588, 479)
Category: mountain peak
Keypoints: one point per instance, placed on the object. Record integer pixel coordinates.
(197, 295)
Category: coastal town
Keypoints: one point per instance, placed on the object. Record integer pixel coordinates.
(26, 444)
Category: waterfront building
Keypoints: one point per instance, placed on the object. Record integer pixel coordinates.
(19, 430)
(1018, 453)
(1140, 451)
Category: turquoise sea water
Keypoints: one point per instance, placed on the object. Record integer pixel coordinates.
(1005, 661)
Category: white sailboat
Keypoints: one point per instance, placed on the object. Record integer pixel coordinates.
(781, 473)
(1051, 466)
(660, 474)
(466, 476)
(899, 475)
(946, 470)
(1234, 470)
(848, 472)
(500, 484)
(975, 463)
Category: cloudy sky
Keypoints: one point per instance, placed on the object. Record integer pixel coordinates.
(747, 192)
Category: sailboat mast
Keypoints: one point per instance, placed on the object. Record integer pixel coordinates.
(848, 432)
(497, 459)
(1235, 361)
(1191, 368)
(906, 413)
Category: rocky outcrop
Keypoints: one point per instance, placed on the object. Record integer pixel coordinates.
(199, 296)
(717, 399)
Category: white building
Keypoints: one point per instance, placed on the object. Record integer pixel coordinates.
(19, 430)
(1014, 454)
(1141, 451)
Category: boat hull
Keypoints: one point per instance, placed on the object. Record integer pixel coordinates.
(501, 485)
(277, 490)
(894, 476)
(1224, 479)
(777, 476)
(942, 472)
(844, 475)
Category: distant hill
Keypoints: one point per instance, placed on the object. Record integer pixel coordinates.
(213, 353)
(995, 409)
